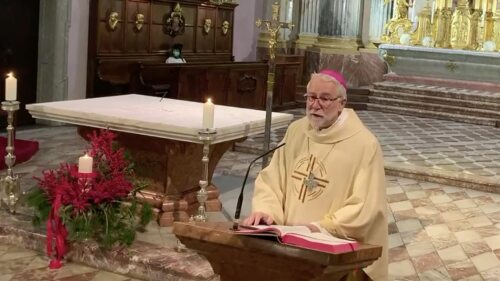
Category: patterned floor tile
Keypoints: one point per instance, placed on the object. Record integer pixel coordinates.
(438, 232)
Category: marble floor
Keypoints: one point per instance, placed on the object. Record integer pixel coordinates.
(437, 231)
(19, 264)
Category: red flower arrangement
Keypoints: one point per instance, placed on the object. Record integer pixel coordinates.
(101, 205)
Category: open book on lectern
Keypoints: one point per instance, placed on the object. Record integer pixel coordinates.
(302, 237)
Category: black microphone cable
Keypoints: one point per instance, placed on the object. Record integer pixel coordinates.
(236, 221)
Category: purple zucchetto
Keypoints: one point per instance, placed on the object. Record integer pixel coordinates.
(335, 75)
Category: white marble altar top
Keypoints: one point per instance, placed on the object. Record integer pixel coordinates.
(146, 115)
(439, 50)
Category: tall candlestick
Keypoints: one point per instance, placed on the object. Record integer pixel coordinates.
(208, 114)
(10, 87)
(85, 164)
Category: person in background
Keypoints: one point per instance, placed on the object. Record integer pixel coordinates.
(329, 176)
(176, 55)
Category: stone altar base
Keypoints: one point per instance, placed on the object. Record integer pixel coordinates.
(172, 170)
(145, 261)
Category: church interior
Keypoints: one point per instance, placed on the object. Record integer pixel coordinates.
(422, 75)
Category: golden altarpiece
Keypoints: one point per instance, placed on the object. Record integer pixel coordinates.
(465, 25)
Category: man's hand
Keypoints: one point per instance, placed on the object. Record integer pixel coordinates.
(258, 218)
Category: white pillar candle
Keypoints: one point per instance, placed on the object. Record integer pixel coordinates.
(85, 164)
(10, 87)
(208, 114)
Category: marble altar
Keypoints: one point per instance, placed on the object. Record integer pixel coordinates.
(442, 63)
(163, 140)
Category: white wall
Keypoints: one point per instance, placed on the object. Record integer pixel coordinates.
(245, 31)
(77, 49)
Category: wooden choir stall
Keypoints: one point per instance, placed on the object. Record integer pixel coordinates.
(129, 41)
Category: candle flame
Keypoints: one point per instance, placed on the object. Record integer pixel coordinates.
(209, 100)
(10, 74)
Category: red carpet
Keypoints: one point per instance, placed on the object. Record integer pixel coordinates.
(23, 149)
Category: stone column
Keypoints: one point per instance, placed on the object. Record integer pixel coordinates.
(340, 24)
(380, 15)
(343, 31)
(55, 22)
(309, 21)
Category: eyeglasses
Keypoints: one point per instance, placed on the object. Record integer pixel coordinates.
(323, 101)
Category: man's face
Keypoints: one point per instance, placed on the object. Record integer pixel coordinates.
(325, 103)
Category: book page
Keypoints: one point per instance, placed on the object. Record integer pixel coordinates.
(321, 237)
(281, 229)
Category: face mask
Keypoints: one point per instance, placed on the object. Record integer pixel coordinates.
(176, 53)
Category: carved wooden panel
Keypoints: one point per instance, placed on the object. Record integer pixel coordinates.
(245, 95)
(110, 37)
(114, 34)
(224, 31)
(205, 32)
(137, 32)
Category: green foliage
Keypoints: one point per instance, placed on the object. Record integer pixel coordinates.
(37, 198)
(109, 223)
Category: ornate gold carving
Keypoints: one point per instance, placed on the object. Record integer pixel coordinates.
(390, 60)
(451, 66)
(461, 25)
(399, 24)
(225, 27)
(175, 23)
(247, 84)
(139, 21)
(496, 31)
(489, 21)
(424, 28)
(207, 25)
(468, 26)
(474, 33)
(113, 20)
(442, 26)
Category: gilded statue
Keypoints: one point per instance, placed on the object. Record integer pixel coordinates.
(225, 27)
(113, 20)
(139, 21)
(399, 24)
(207, 25)
(175, 22)
(461, 26)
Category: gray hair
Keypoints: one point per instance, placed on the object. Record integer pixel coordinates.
(327, 78)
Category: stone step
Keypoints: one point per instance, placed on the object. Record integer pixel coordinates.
(444, 92)
(419, 112)
(428, 99)
(458, 110)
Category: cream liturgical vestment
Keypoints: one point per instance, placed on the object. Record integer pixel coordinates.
(334, 177)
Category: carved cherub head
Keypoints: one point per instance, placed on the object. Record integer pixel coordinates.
(207, 24)
(139, 21)
(225, 27)
(113, 20)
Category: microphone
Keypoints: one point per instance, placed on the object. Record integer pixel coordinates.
(236, 221)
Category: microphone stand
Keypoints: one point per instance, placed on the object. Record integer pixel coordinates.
(236, 221)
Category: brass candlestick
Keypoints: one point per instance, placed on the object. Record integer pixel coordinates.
(10, 188)
(207, 136)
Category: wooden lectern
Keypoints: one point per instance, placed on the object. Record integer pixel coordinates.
(238, 257)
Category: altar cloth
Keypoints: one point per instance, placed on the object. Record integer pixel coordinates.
(146, 115)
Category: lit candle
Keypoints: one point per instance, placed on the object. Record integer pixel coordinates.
(208, 114)
(10, 87)
(85, 164)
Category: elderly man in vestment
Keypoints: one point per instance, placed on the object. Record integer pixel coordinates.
(329, 175)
